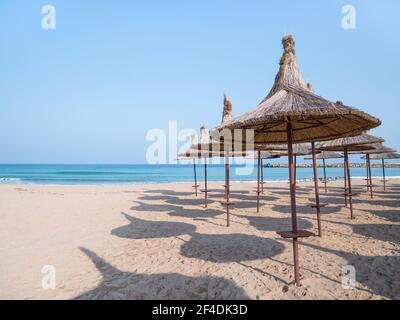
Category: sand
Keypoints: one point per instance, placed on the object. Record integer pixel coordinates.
(158, 242)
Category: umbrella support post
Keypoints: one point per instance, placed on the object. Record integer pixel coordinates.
(366, 167)
(345, 183)
(205, 184)
(370, 177)
(226, 183)
(326, 189)
(294, 234)
(295, 170)
(258, 180)
(384, 174)
(346, 156)
(227, 203)
(262, 177)
(195, 177)
(316, 188)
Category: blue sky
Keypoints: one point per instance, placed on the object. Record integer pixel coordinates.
(89, 91)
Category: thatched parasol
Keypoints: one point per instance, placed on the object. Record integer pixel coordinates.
(325, 155)
(383, 157)
(291, 113)
(356, 144)
(378, 149)
(299, 149)
(207, 147)
(260, 156)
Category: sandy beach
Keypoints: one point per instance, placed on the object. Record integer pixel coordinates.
(158, 242)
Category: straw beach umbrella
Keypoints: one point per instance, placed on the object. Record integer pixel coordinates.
(201, 151)
(325, 155)
(186, 158)
(299, 149)
(383, 157)
(358, 144)
(260, 155)
(210, 148)
(378, 149)
(290, 114)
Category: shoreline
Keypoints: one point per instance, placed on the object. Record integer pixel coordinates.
(150, 183)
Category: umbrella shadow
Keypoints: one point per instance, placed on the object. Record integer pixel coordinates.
(306, 209)
(144, 229)
(372, 270)
(176, 211)
(383, 232)
(389, 215)
(175, 200)
(276, 224)
(224, 248)
(210, 247)
(117, 284)
(169, 192)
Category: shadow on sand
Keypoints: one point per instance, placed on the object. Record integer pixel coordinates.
(372, 271)
(209, 247)
(177, 211)
(276, 224)
(117, 284)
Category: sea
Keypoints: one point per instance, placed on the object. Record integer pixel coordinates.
(74, 174)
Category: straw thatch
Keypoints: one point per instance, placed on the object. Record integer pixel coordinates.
(263, 155)
(208, 148)
(299, 149)
(359, 143)
(383, 156)
(325, 155)
(227, 112)
(379, 148)
(313, 117)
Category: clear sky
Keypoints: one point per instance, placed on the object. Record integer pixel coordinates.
(89, 91)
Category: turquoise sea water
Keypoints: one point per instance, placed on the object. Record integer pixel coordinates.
(139, 174)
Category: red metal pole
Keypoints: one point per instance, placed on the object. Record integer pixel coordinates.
(227, 193)
(346, 155)
(384, 174)
(370, 176)
(316, 189)
(205, 182)
(367, 171)
(295, 169)
(195, 176)
(345, 181)
(258, 181)
(293, 203)
(262, 177)
(226, 179)
(326, 189)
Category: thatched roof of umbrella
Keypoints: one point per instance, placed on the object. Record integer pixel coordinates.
(209, 148)
(263, 155)
(326, 155)
(359, 143)
(299, 149)
(378, 148)
(312, 117)
(383, 156)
